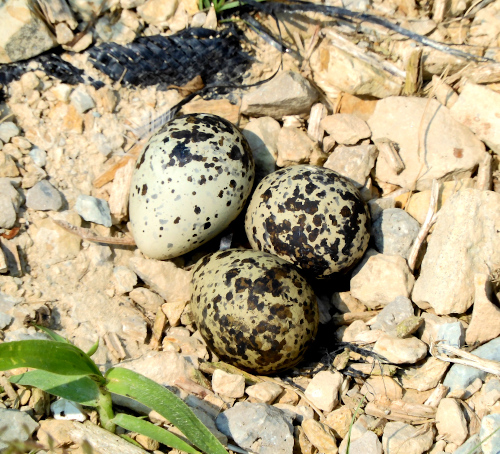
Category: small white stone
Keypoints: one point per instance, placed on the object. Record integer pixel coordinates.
(229, 385)
(65, 409)
(323, 390)
(450, 421)
(265, 392)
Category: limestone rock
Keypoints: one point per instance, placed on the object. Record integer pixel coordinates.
(392, 314)
(157, 11)
(425, 375)
(265, 391)
(229, 385)
(9, 129)
(15, 425)
(294, 147)
(450, 421)
(368, 443)
(401, 437)
(478, 108)
(448, 150)
(346, 129)
(262, 135)
(147, 299)
(380, 278)
(24, 35)
(8, 167)
(93, 209)
(321, 436)
(400, 351)
(339, 421)
(353, 162)
(10, 201)
(287, 94)
(334, 69)
(324, 388)
(394, 232)
(485, 322)
(166, 279)
(258, 427)
(464, 242)
(381, 386)
(489, 425)
(44, 197)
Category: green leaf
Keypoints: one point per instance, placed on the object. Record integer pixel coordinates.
(134, 424)
(93, 349)
(52, 334)
(81, 389)
(138, 387)
(56, 357)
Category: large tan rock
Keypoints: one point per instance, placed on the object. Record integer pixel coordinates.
(465, 241)
(432, 144)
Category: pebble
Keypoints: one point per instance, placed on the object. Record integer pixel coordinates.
(259, 428)
(228, 385)
(323, 389)
(346, 129)
(400, 351)
(450, 421)
(265, 392)
(15, 426)
(262, 135)
(464, 242)
(339, 420)
(470, 446)
(8, 167)
(44, 197)
(490, 424)
(8, 129)
(451, 148)
(299, 412)
(38, 156)
(381, 386)
(401, 437)
(93, 209)
(485, 322)
(491, 391)
(157, 11)
(452, 334)
(10, 201)
(81, 100)
(478, 108)
(358, 429)
(381, 278)
(460, 376)
(294, 146)
(286, 94)
(164, 277)
(353, 162)
(320, 436)
(392, 314)
(65, 409)
(147, 299)
(368, 443)
(394, 232)
(174, 311)
(124, 279)
(426, 375)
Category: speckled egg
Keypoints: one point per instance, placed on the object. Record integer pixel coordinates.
(253, 309)
(310, 216)
(190, 182)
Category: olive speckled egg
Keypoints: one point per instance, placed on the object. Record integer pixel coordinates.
(253, 309)
(190, 182)
(310, 216)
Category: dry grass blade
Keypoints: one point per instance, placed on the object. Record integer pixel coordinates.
(464, 358)
(426, 226)
(89, 235)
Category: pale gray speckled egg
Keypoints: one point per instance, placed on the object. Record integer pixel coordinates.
(311, 216)
(254, 310)
(190, 182)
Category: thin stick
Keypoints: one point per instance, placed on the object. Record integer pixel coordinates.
(89, 235)
(426, 226)
(492, 367)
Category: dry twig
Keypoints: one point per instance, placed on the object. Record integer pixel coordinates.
(89, 235)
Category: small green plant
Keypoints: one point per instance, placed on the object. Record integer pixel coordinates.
(62, 369)
(220, 5)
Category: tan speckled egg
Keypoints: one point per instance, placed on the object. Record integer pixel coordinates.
(190, 182)
(310, 216)
(254, 310)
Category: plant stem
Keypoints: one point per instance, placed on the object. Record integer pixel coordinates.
(105, 409)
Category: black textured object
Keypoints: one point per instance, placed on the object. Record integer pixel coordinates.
(174, 60)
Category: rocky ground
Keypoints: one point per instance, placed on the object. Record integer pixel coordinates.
(417, 131)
